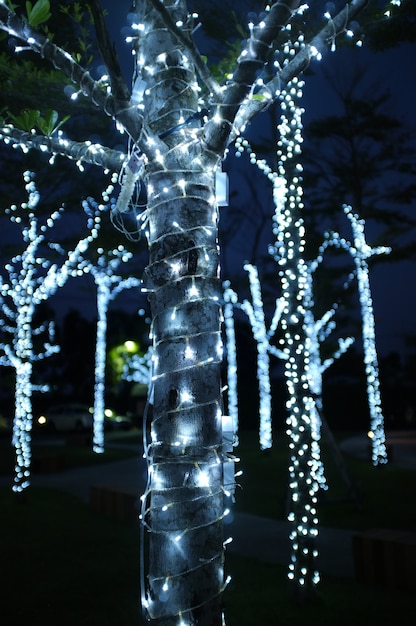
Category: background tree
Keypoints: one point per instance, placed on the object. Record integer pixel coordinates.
(32, 278)
(105, 269)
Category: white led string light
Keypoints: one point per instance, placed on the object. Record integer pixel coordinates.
(316, 332)
(305, 473)
(255, 313)
(305, 470)
(32, 278)
(230, 301)
(109, 284)
(187, 460)
(137, 368)
(361, 252)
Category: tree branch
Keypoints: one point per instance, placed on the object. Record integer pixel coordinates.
(78, 151)
(123, 111)
(190, 47)
(108, 53)
(126, 283)
(318, 45)
(251, 60)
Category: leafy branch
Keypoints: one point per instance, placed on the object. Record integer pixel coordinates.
(64, 62)
(31, 118)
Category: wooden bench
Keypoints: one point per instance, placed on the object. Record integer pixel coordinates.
(117, 502)
(386, 557)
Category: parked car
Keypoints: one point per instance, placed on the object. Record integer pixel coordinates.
(66, 417)
(80, 417)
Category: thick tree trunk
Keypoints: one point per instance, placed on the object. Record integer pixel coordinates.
(184, 501)
(186, 495)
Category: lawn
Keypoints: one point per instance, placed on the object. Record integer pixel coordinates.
(384, 490)
(64, 564)
(73, 451)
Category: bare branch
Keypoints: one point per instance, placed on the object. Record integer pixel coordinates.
(77, 151)
(317, 46)
(109, 54)
(123, 111)
(251, 60)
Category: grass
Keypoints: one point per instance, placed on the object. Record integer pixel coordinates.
(64, 564)
(76, 454)
(264, 479)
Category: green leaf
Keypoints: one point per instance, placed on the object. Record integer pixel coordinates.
(27, 119)
(38, 13)
(48, 124)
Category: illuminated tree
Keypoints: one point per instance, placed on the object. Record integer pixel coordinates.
(302, 336)
(138, 367)
(265, 347)
(109, 284)
(360, 252)
(230, 300)
(178, 121)
(32, 278)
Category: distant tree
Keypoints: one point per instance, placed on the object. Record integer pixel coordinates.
(31, 277)
(106, 269)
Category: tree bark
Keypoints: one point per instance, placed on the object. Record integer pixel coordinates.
(186, 494)
(184, 502)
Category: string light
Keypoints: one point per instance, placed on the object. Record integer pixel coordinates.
(305, 469)
(161, 103)
(230, 300)
(32, 279)
(191, 472)
(255, 313)
(360, 252)
(109, 284)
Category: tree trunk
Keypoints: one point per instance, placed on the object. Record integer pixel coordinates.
(304, 444)
(184, 502)
(22, 424)
(103, 299)
(186, 495)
